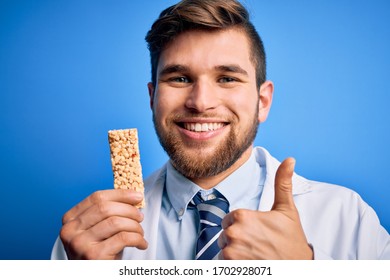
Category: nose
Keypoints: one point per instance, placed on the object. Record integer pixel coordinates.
(202, 97)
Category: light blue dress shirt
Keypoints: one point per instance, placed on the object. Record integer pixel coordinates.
(178, 225)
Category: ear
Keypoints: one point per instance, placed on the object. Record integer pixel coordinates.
(151, 94)
(265, 100)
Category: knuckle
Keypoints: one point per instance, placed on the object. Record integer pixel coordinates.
(68, 231)
(124, 237)
(65, 233)
(231, 234)
(285, 185)
(114, 222)
(239, 214)
(97, 197)
(136, 214)
(103, 208)
(65, 218)
(129, 239)
(227, 254)
(138, 229)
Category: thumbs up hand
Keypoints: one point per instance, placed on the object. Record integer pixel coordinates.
(276, 234)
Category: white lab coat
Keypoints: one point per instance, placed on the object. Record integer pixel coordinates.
(337, 222)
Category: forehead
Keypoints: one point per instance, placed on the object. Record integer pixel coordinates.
(198, 49)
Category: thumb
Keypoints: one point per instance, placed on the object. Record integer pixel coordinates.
(283, 186)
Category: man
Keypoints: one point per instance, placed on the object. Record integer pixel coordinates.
(208, 95)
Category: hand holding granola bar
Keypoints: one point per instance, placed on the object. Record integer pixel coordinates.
(107, 221)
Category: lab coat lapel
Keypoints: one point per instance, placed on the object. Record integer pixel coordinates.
(265, 160)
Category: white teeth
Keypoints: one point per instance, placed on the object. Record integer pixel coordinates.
(202, 127)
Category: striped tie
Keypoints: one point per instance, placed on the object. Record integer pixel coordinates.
(211, 213)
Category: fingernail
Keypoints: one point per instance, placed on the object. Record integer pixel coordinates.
(138, 195)
(292, 164)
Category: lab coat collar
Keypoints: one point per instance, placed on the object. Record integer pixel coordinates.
(300, 184)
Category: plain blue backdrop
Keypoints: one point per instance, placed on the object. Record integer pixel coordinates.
(71, 70)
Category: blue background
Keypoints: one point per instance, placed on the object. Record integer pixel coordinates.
(71, 70)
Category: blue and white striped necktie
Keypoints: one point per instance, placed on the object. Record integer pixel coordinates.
(211, 213)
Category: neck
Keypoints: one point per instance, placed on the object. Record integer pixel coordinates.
(210, 182)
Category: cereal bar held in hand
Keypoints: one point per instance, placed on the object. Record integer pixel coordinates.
(125, 160)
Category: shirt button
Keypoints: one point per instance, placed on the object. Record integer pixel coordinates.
(181, 212)
(211, 196)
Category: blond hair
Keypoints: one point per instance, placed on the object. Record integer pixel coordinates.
(204, 15)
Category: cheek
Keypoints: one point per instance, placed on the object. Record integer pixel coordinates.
(164, 105)
(245, 107)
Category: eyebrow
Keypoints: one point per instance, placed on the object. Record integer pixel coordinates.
(232, 68)
(174, 68)
(179, 68)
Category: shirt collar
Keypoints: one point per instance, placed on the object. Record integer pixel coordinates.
(237, 187)
(180, 190)
(243, 185)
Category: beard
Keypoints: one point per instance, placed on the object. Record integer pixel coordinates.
(203, 164)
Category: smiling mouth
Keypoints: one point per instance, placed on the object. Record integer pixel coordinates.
(201, 127)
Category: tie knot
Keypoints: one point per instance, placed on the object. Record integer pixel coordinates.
(215, 198)
(212, 210)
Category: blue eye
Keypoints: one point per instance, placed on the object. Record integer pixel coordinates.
(227, 80)
(180, 80)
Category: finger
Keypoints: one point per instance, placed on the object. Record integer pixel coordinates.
(236, 216)
(283, 185)
(113, 225)
(82, 244)
(82, 248)
(99, 212)
(227, 221)
(119, 195)
(115, 245)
